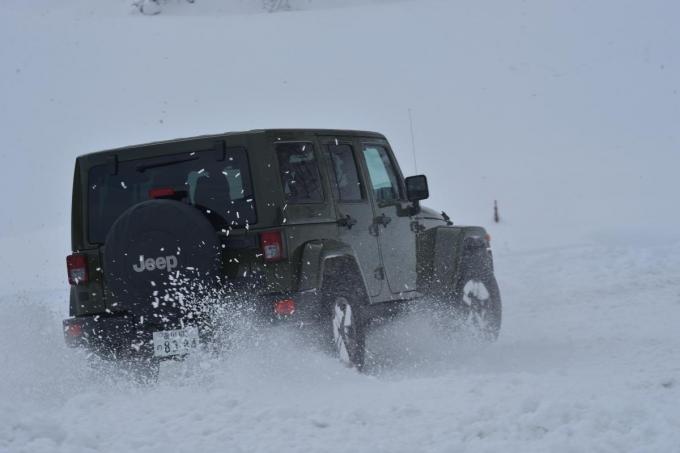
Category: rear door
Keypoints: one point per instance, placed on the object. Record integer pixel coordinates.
(392, 221)
(354, 210)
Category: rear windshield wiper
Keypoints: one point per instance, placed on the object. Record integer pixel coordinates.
(144, 167)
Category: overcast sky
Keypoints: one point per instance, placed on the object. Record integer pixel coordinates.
(567, 112)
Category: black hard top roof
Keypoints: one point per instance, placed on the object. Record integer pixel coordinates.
(286, 132)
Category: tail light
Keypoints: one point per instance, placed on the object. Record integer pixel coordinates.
(285, 307)
(162, 192)
(272, 246)
(76, 265)
(73, 330)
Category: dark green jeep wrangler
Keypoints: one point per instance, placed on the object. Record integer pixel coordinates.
(311, 227)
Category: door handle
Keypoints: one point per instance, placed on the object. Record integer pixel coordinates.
(382, 220)
(347, 221)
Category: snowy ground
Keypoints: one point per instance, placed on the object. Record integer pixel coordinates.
(565, 112)
(588, 361)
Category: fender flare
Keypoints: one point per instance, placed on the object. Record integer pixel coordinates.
(443, 252)
(314, 257)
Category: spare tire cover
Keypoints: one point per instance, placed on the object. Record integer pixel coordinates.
(160, 258)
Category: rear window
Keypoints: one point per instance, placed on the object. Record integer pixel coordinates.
(212, 182)
(300, 176)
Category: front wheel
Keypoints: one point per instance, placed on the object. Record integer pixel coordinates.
(479, 306)
(474, 304)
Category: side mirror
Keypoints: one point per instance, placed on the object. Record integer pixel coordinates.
(416, 188)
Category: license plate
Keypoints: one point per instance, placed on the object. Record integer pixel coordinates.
(175, 342)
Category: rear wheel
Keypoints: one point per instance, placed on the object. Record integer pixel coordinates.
(349, 342)
(344, 331)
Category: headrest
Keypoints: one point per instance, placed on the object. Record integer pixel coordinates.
(212, 192)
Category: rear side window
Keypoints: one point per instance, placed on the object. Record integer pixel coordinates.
(383, 175)
(346, 184)
(219, 185)
(300, 176)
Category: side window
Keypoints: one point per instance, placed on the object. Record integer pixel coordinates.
(383, 175)
(300, 176)
(346, 184)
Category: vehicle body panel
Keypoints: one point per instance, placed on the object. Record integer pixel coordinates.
(401, 250)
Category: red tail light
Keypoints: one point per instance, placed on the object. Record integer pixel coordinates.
(162, 192)
(285, 307)
(74, 330)
(272, 246)
(77, 269)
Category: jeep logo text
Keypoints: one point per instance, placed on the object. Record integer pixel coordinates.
(151, 264)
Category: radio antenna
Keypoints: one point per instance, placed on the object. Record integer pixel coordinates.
(413, 142)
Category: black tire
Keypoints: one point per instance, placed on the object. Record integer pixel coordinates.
(343, 329)
(477, 301)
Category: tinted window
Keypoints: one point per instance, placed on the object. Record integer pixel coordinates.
(345, 183)
(300, 176)
(221, 186)
(383, 175)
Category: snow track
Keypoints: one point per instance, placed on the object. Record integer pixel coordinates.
(587, 360)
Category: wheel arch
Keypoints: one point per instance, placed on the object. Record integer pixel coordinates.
(321, 257)
(443, 253)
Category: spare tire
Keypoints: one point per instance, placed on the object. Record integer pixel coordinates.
(161, 260)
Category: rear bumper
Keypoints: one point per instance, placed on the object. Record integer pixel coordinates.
(110, 336)
(123, 337)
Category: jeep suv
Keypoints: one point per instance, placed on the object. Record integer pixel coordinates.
(311, 227)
